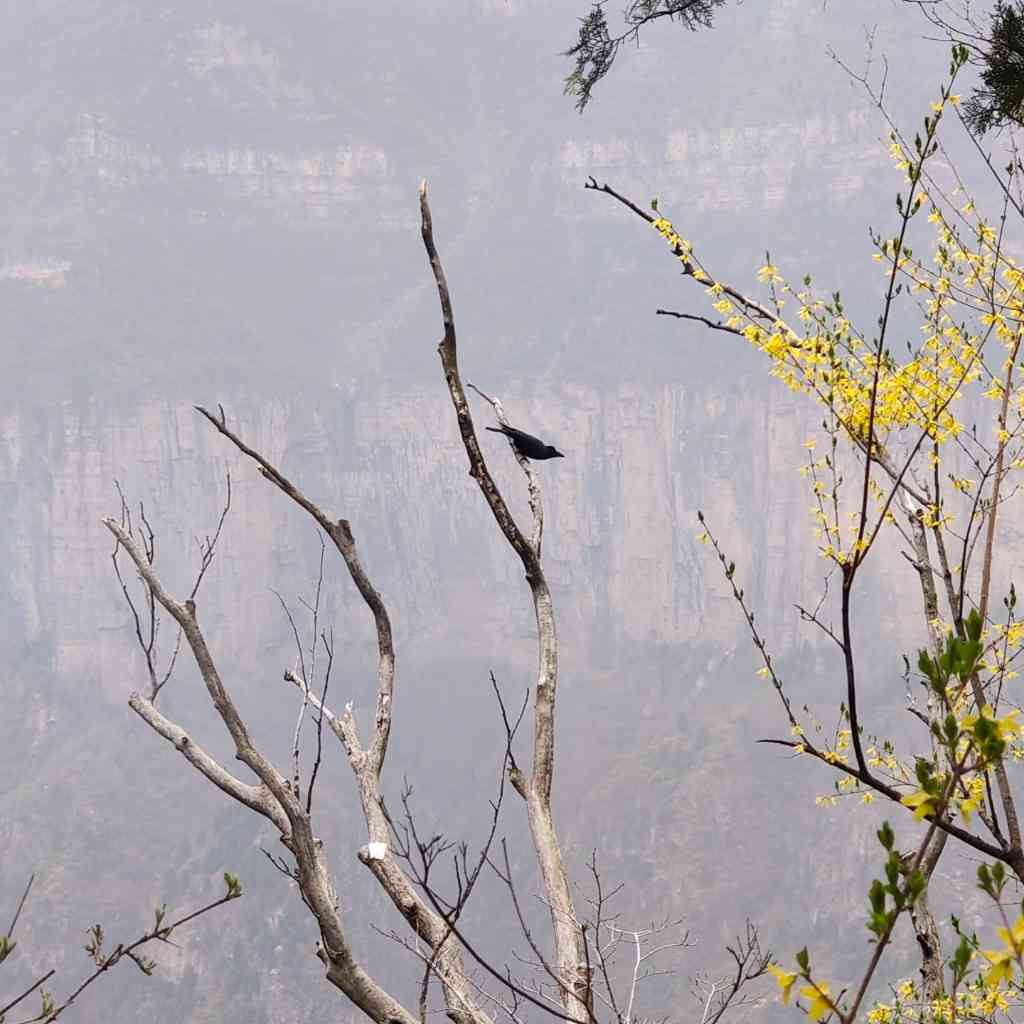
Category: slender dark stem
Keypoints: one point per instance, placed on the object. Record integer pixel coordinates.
(713, 324)
(24, 995)
(21, 905)
(329, 647)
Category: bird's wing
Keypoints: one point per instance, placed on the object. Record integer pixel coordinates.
(522, 435)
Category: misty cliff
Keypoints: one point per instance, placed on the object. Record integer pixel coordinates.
(659, 703)
(216, 202)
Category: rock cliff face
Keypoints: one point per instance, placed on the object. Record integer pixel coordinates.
(621, 525)
(659, 704)
(218, 203)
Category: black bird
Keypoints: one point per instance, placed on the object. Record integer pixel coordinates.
(527, 445)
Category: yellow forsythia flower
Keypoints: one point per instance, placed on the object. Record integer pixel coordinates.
(820, 1002)
(921, 802)
(1001, 969)
(784, 979)
(881, 1013)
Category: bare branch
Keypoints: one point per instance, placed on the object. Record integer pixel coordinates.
(24, 995)
(208, 546)
(570, 954)
(21, 904)
(715, 325)
(515, 774)
(340, 533)
(329, 649)
(160, 932)
(258, 798)
(317, 888)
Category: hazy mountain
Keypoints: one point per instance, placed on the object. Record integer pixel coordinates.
(217, 202)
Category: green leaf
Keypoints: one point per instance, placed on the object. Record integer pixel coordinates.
(878, 923)
(984, 879)
(961, 960)
(946, 660)
(951, 728)
(915, 885)
(926, 666)
(892, 872)
(877, 896)
(886, 836)
(973, 625)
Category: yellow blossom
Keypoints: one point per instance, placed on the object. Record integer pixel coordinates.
(921, 802)
(1002, 960)
(974, 798)
(993, 1000)
(820, 1002)
(880, 1013)
(1013, 937)
(784, 979)
(1007, 726)
(1001, 969)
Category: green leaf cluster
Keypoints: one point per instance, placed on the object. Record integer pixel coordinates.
(959, 659)
(960, 963)
(897, 893)
(992, 880)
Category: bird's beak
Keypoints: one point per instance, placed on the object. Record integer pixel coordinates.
(558, 454)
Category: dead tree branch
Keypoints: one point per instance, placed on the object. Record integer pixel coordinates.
(273, 799)
(570, 951)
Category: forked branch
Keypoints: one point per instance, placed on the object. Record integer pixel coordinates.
(570, 950)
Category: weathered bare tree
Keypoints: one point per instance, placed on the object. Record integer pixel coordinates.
(561, 971)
